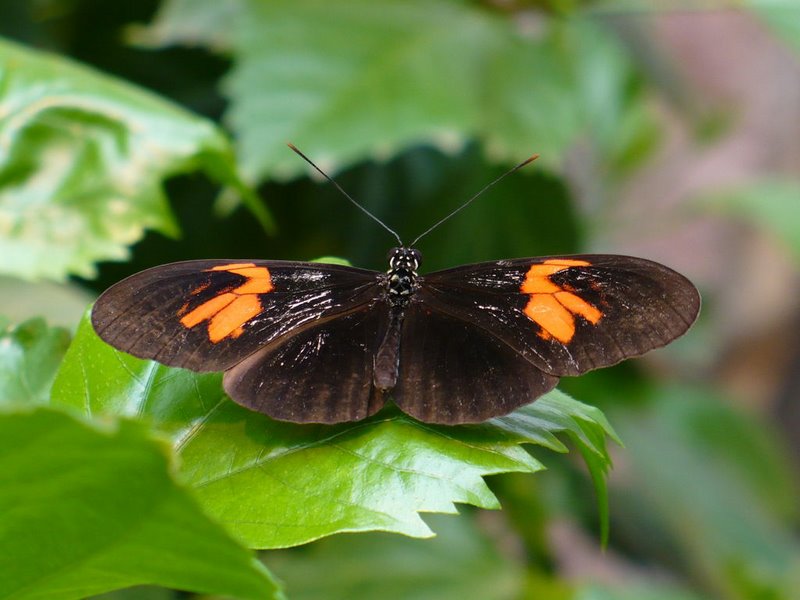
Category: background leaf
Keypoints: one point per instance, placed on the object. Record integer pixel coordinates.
(103, 513)
(279, 484)
(770, 204)
(85, 156)
(30, 354)
(650, 591)
(729, 524)
(297, 78)
(461, 562)
(58, 303)
(783, 17)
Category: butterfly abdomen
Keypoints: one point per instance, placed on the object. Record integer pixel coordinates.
(387, 358)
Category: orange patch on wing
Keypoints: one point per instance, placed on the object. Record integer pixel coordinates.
(229, 321)
(228, 313)
(536, 283)
(551, 316)
(259, 281)
(543, 270)
(554, 307)
(207, 310)
(577, 305)
(232, 266)
(200, 288)
(568, 262)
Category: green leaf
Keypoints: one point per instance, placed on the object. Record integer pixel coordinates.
(191, 22)
(298, 78)
(771, 204)
(138, 592)
(531, 102)
(782, 17)
(279, 484)
(357, 78)
(83, 161)
(654, 589)
(58, 303)
(30, 354)
(462, 562)
(586, 426)
(713, 486)
(85, 510)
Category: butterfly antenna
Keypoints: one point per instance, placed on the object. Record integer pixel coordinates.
(468, 202)
(345, 194)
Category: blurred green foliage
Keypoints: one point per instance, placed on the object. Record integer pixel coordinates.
(413, 106)
(30, 353)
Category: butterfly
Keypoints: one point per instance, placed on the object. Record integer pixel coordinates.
(313, 342)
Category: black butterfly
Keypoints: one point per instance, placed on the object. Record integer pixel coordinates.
(310, 342)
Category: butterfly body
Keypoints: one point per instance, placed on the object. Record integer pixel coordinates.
(309, 342)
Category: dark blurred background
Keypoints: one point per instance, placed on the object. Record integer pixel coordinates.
(670, 132)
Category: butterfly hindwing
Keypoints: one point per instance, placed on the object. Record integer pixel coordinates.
(320, 374)
(569, 314)
(452, 371)
(209, 315)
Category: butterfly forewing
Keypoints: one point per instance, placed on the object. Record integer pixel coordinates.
(209, 315)
(568, 314)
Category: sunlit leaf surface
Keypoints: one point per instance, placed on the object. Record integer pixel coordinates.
(85, 510)
(83, 157)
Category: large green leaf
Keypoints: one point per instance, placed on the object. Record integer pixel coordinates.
(30, 354)
(341, 97)
(278, 484)
(359, 78)
(87, 509)
(83, 161)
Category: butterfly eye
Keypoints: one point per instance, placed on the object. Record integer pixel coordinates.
(417, 257)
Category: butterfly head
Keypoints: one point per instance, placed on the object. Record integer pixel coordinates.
(404, 259)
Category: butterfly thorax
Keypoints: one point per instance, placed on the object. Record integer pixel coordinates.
(401, 283)
(401, 280)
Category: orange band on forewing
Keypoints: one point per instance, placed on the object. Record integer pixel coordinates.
(550, 305)
(551, 316)
(579, 306)
(538, 285)
(258, 281)
(207, 310)
(231, 318)
(543, 270)
(228, 313)
(254, 286)
(568, 262)
(232, 266)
